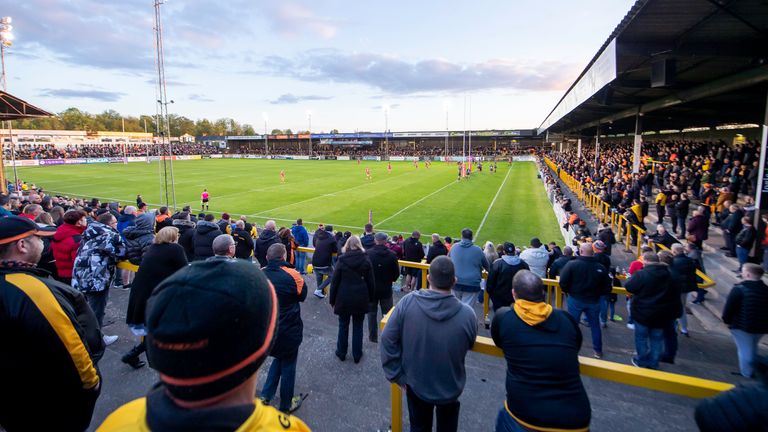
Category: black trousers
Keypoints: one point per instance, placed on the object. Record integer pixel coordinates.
(421, 412)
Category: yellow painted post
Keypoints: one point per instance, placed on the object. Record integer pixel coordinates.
(617, 221)
(424, 278)
(397, 408)
(558, 297)
(629, 235)
(639, 241)
(486, 308)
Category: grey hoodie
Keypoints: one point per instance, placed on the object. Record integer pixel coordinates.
(469, 261)
(425, 342)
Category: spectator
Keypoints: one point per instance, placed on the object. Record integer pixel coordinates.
(162, 219)
(138, 237)
(436, 249)
(231, 306)
(731, 227)
(223, 248)
(302, 239)
(65, 243)
(186, 227)
(352, 290)
(655, 306)
(469, 262)
(445, 326)
(162, 259)
(5, 206)
(663, 237)
(95, 264)
(744, 241)
(536, 257)
(542, 377)
(698, 227)
(243, 241)
(291, 291)
(557, 266)
(31, 211)
(126, 219)
(225, 224)
(684, 274)
(584, 280)
(286, 238)
(413, 251)
(202, 239)
(385, 272)
(367, 238)
(500, 276)
(744, 313)
(51, 337)
(267, 238)
(325, 247)
(606, 235)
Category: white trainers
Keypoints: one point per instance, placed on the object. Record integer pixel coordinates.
(319, 294)
(109, 340)
(630, 326)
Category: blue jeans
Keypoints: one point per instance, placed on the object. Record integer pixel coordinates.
(97, 300)
(743, 255)
(746, 348)
(605, 305)
(649, 343)
(319, 273)
(670, 343)
(342, 342)
(506, 423)
(301, 262)
(591, 310)
(281, 370)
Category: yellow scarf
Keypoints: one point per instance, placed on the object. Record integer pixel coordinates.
(532, 312)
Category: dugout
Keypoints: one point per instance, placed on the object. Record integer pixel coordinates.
(671, 65)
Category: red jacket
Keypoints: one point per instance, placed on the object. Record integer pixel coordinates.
(64, 245)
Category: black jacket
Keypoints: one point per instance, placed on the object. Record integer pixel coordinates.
(291, 290)
(435, 250)
(543, 369)
(325, 247)
(607, 236)
(746, 237)
(202, 240)
(684, 273)
(557, 267)
(499, 284)
(413, 250)
(266, 239)
(51, 340)
(186, 235)
(655, 296)
(352, 284)
(160, 261)
(746, 306)
(385, 270)
(585, 279)
(367, 241)
(243, 244)
(744, 408)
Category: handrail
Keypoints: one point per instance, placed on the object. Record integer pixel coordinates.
(665, 382)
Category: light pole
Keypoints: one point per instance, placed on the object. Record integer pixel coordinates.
(309, 134)
(266, 137)
(6, 40)
(386, 131)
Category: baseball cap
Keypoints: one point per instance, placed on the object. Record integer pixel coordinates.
(14, 228)
(209, 328)
(380, 236)
(509, 248)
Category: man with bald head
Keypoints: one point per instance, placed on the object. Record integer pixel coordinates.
(267, 238)
(223, 247)
(584, 279)
(542, 378)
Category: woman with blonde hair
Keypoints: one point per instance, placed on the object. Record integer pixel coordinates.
(163, 258)
(352, 288)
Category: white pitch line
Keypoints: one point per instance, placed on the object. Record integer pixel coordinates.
(415, 202)
(487, 212)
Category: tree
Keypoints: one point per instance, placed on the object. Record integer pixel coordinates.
(276, 132)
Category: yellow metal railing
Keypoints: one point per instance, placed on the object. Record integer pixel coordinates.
(665, 382)
(621, 226)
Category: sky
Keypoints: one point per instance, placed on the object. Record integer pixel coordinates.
(364, 65)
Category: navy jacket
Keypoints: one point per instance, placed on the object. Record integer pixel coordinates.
(291, 290)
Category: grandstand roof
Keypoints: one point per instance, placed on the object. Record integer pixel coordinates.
(720, 52)
(13, 108)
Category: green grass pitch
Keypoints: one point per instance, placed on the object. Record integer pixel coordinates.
(510, 205)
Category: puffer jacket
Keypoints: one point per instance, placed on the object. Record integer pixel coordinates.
(266, 239)
(139, 237)
(655, 296)
(290, 290)
(537, 259)
(202, 239)
(64, 245)
(745, 308)
(96, 261)
(325, 247)
(186, 233)
(352, 284)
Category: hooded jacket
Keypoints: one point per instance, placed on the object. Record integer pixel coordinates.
(291, 291)
(243, 244)
(436, 249)
(499, 285)
(557, 267)
(124, 221)
(655, 296)
(352, 284)
(300, 234)
(266, 239)
(424, 323)
(469, 262)
(64, 245)
(325, 247)
(537, 259)
(186, 234)
(161, 261)
(96, 260)
(585, 279)
(139, 237)
(385, 270)
(202, 239)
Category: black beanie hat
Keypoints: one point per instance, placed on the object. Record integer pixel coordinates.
(209, 328)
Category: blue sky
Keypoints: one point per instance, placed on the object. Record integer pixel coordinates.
(340, 60)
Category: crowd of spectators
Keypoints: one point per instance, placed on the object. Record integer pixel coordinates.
(51, 151)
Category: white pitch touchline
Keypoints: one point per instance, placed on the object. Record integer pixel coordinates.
(330, 194)
(477, 233)
(415, 202)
